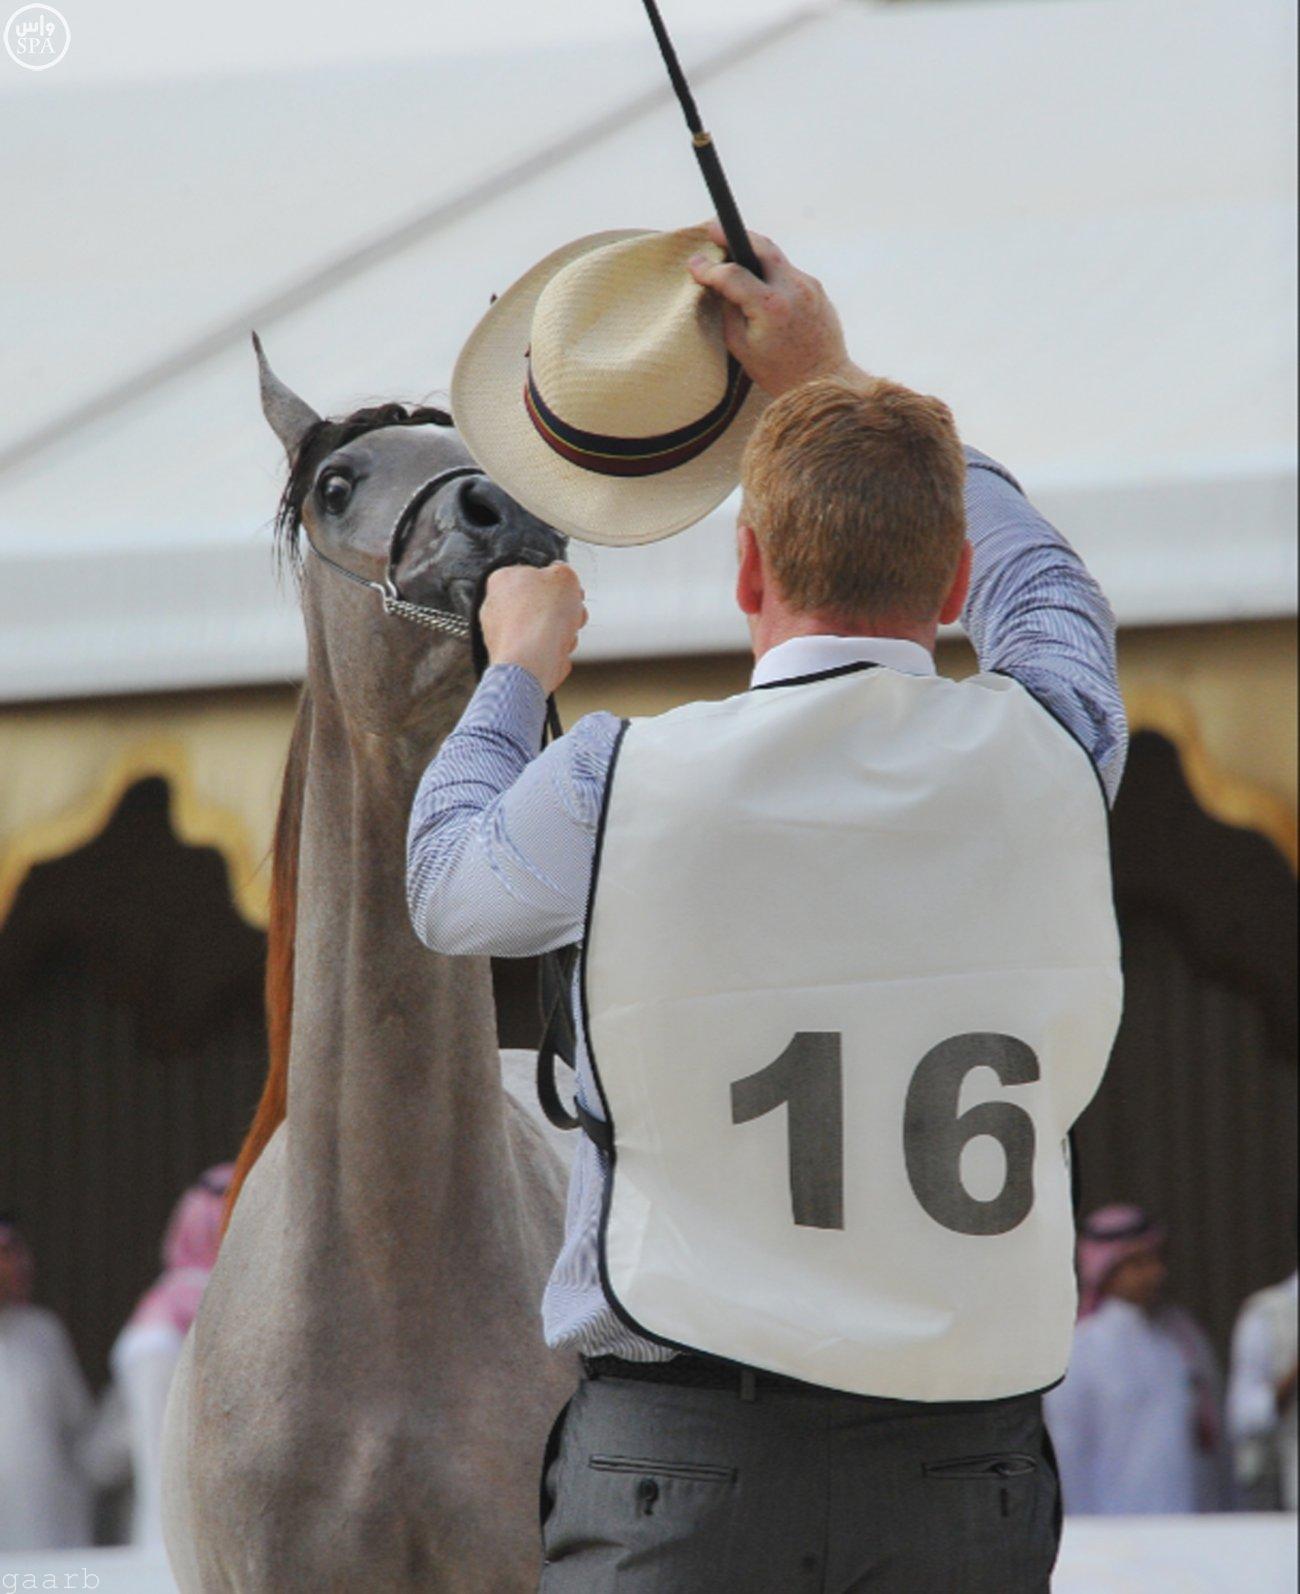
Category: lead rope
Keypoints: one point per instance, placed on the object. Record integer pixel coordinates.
(555, 993)
(555, 969)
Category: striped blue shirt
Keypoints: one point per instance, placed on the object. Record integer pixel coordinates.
(502, 839)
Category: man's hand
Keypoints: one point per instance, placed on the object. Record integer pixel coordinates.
(532, 617)
(783, 329)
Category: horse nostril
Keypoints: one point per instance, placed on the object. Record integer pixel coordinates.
(481, 504)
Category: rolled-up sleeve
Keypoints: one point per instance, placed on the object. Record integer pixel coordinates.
(502, 837)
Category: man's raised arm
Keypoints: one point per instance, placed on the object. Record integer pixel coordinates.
(1034, 611)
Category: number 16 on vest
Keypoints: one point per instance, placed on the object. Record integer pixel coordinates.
(807, 1078)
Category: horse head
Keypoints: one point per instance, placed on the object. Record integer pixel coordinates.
(404, 526)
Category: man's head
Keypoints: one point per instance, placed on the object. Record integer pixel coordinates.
(1121, 1254)
(1140, 1279)
(16, 1269)
(853, 518)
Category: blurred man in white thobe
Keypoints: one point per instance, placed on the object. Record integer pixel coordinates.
(1262, 1398)
(45, 1410)
(1137, 1423)
(145, 1354)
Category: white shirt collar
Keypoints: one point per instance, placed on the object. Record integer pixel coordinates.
(808, 655)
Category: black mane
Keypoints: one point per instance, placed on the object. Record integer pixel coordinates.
(318, 443)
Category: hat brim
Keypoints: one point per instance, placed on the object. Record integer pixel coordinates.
(487, 405)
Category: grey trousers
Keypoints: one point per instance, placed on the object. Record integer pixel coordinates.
(656, 1488)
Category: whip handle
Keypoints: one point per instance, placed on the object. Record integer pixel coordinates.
(738, 245)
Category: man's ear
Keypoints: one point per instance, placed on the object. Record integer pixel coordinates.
(955, 602)
(749, 569)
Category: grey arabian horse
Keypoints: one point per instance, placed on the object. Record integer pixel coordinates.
(365, 1397)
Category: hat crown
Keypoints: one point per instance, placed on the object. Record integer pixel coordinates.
(625, 343)
(613, 412)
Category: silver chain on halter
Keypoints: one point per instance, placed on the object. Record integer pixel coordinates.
(421, 614)
(393, 602)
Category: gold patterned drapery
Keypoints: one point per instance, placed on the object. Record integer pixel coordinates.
(1224, 695)
(67, 765)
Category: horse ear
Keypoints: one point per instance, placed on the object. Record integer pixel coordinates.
(290, 417)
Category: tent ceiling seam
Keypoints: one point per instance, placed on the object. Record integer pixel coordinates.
(351, 262)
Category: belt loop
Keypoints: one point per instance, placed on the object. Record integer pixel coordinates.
(747, 1384)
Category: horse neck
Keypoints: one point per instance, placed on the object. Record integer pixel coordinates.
(395, 1104)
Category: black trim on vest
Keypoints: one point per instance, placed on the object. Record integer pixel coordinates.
(609, 1134)
(819, 675)
(1072, 1138)
(1069, 731)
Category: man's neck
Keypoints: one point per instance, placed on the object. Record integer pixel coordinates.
(769, 631)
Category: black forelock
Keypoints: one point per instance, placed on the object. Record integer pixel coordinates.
(318, 443)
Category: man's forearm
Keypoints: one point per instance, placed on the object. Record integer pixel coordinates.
(1036, 613)
(502, 836)
(498, 734)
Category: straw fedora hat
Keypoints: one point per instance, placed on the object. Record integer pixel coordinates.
(598, 390)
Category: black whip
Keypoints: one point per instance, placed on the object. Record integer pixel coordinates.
(706, 152)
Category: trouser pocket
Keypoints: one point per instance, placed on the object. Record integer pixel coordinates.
(701, 1471)
(1004, 1464)
(655, 1477)
(993, 1510)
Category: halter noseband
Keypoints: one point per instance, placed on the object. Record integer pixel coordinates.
(390, 596)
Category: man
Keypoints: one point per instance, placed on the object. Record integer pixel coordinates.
(810, 1362)
(1138, 1422)
(144, 1355)
(1262, 1397)
(45, 1413)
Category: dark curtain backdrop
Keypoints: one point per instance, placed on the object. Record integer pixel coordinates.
(131, 1056)
(1197, 1115)
(132, 1049)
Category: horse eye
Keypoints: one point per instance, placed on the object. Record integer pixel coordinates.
(335, 491)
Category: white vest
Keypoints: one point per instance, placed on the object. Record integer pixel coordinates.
(851, 971)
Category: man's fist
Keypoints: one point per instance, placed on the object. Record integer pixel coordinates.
(783, 329)
(532, 617)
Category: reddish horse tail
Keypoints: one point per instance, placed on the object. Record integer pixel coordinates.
(273, 1104)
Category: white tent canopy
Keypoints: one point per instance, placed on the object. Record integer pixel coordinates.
(1073, 219)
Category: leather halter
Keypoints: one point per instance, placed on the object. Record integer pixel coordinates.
(390, 595)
